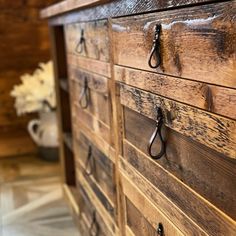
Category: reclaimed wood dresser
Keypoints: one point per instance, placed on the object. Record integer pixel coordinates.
(147, 112)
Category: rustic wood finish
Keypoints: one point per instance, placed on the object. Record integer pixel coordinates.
(209, 174)
(191, 189)
(95, 35)
(211, 130)
(216, 99)
(199, 46)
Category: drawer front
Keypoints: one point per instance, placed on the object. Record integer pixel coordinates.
(91, 104)
(96, 165)
(90, 220)
(196, 43)
(142, 217)
(88, 40)
(186, 163)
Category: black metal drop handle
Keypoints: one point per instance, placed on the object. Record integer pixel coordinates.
(157, 132)
(89, 164)
(84, 95)
(155, 51)
(160, 230)
(94, 224)
(81, 44)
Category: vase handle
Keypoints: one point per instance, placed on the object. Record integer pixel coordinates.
(33, 126)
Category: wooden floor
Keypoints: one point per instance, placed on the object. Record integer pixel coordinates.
(31, 202)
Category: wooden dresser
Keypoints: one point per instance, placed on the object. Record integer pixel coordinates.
(147, 111)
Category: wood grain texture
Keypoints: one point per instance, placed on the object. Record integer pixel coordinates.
(118, 8)
(211, 130)
(107, 219)
(196, 43)
(160, 201)
(68, 5)
(188, 201)
(216, 99)
(98, 67)
(209, 174)
(96, 101)
(96, 39)
(102, 169)
(142, 215)
(86, 213)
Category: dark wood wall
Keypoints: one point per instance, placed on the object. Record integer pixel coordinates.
(24, 42)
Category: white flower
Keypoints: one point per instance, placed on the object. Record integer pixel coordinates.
(36, 92)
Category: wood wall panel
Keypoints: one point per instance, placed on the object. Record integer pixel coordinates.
(24, 42)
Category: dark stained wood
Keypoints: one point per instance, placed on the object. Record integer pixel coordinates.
(211, 130)
(188, 201)
(96, 40)
(196, 43)
(206, 172)
(209, 97)
(120, 8)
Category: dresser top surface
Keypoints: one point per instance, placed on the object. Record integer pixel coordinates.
(69, 5)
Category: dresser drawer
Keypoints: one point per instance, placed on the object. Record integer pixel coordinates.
(96, 165)
(196, 42)
(90, 220)
(95, 87)
(188, 169)
(88, 39)
(142, 217)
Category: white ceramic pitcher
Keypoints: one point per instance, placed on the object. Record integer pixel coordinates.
(44, 131)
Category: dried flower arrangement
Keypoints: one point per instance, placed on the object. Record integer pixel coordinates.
(36, 93)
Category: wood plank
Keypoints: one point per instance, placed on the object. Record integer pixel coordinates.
(91, 65)
(209, 174)
(107, 204)
(95, 43)
(103, 177)
(196, 43)
(108, 221)
(209, 97)
(143, 213)
(92, 123)
(96, 82)
(191, 203)
(160, 201)
(118, 8)
(95, 102)
(208, 129)
(107, 149)
(68, 5)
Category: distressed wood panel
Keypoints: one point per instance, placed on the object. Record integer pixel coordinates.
(96, 101)
(106, 203)
(211, 130)
(196, 43)
(118, 8)
(107, 219)
(86, 213)
(96, 39)
(188, 201)
(102, 167)
(209, 174)
(142, 215)
(97, 128)
(91, 65)
(216, 99)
